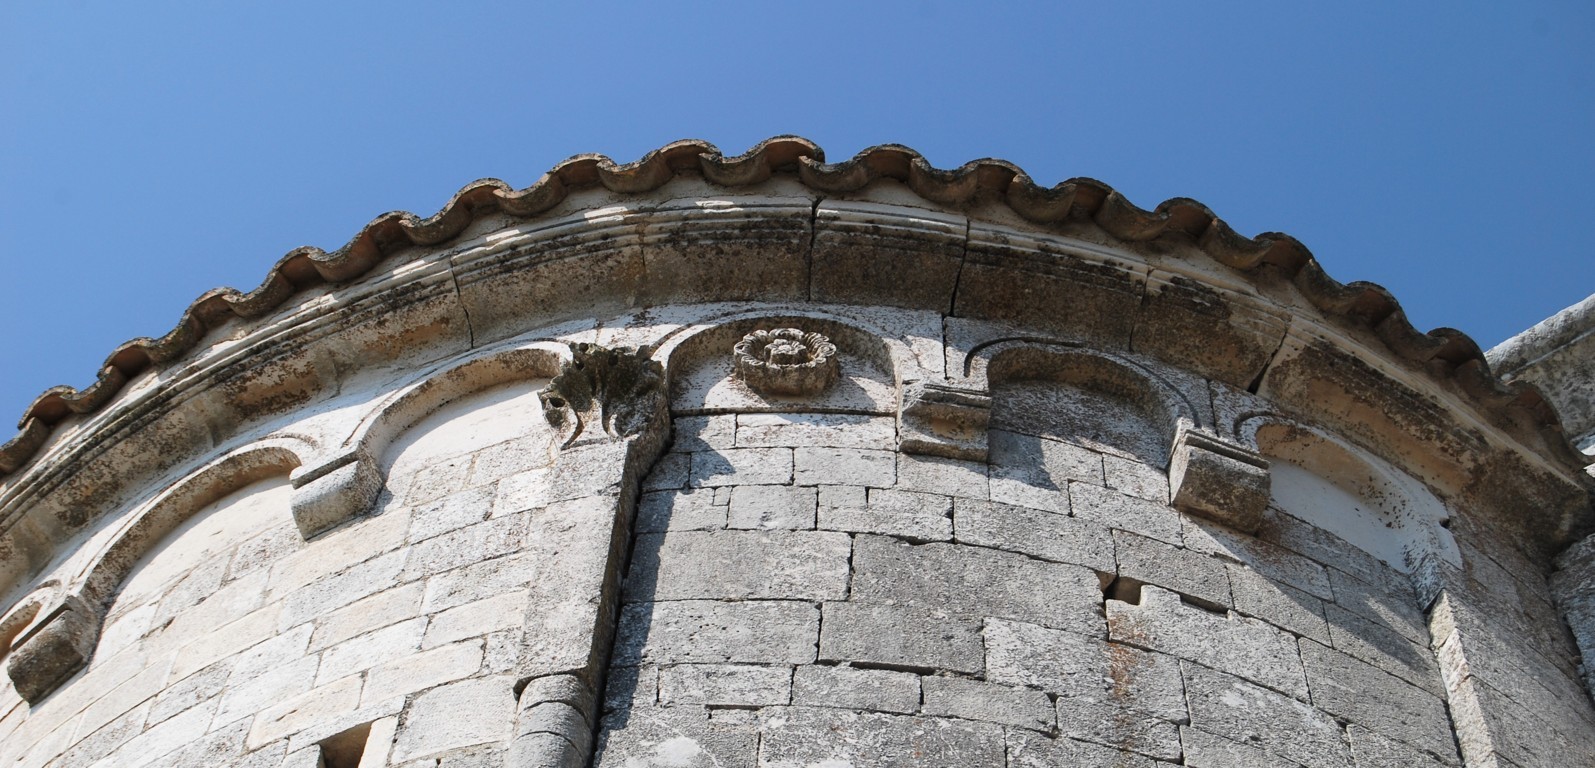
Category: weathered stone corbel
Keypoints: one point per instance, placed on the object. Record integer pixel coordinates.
(57, 646)
(940, 420)
(552, 724)
(335, 490)
(1218, 480)
(604, 394)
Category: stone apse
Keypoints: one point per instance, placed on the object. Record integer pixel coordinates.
(768, 461)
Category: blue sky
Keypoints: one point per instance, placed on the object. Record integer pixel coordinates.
(152, 151)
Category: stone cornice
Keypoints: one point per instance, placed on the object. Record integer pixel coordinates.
(1449, 356)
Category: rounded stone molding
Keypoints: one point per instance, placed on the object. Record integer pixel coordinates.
(786, 361)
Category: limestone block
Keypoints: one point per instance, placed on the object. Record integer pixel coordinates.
(680, 511)
(875, 690)
(710, 631)
(726, 685)
(482, 617)
(910, 515)
(1363, 694)
(189, 691)
(1043, 535)
(1127, 513)
(367, 614)
(1241, 712)
(418, 672)
(1384, 648)
(1270, 560)
(1027, 749)
(742, 466)
(464, 546)
(1244, 647)
(1218, 480)
(340, 589)
(823, 430)
(1106, 722)
(1374, 751)
(703, 433)
(478, 581)
(1045, 282)
(940, 420)
(900, 636)
(451, 512)
(261, 686)
(988, 702)
(1035, 472)
(361, 653)
(461, 714)
(978, 581)
(1281, 605)
(327, 494)
(293, 713)
(669, 472)
(1192, 574)
(680, 737)
(845, 466)
(766, 507)
(799, 737)
(1204, 750)
(739, 565)
(59, 644)
(156, 743)
(1135, 478)
(948, 477)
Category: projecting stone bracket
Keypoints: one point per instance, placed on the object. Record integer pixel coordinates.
(59, 644)
(335, 490)
(1218, 480)
(938, 420)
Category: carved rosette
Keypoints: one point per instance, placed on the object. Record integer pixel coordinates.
(786, 361)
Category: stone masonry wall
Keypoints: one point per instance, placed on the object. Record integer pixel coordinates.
(800, 594)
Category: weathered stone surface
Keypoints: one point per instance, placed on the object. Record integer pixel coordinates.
(976, 700)
(1204, 750)
(948, 577)
(845, 466)
(1283, 606)
(1374, 751)
(456, 715)
(1035, 472)
(938, 420)
(1127, 513)
(677, 511)
(825, 430)
(766, 507)
(1384, 648)
(742, 466)
(1218, 480)
(1042, 535)
(708, 631)
(725, 685)
(1079, 667)
(900, 636)
(1363, 694)
(798, 737)
(875, 690)
(1240, 646)
(1270, 560)
(741, 565)
(910, 515)
(682, 737)
(1282, 726)
(1192, 574)
(1027, 749)
(948, 477)
(786, 361)
(1133, 477)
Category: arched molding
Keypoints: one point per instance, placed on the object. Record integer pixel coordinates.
(1393, 516)
(687, 350)
(62, 639)
(345, 481)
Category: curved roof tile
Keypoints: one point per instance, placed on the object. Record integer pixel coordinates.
(1361, 304)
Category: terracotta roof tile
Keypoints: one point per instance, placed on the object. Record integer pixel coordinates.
(1445, 352)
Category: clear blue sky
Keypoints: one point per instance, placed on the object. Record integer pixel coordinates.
(151, 151)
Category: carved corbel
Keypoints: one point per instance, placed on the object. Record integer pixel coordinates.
(335, 490)
(604, 394)
(940, 420)
(56, 647)
(1218, 480)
